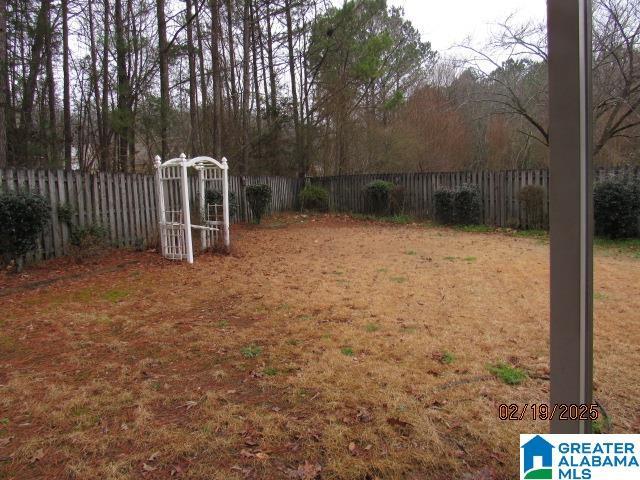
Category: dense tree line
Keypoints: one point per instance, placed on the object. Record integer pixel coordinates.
(289, 87)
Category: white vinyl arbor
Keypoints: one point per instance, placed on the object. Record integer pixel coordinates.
(174, 209)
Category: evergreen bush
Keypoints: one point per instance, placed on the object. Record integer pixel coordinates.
(459, 206)
(214, 197)
(466, 205)
(617, 208)
(377, 197)
(258, 197)
(23, 217)
(443, 202)
(314, 198)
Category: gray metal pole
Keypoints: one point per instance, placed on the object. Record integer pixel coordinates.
(569, 28)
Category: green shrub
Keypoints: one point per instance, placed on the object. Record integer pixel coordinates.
(258, 197)
(314, 198)
(617, 208)
(532, 198)
(443, 200)
(466, 205)
(94, 235)
(214, 197)
(23, 217)
(65, 213)
(460, 206)
(377, 196)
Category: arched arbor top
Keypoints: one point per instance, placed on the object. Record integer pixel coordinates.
(196, 162)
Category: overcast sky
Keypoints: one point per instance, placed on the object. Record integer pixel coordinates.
(448, 22)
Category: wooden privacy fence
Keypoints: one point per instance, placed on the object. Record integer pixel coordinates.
(125, 204)
(499, 191)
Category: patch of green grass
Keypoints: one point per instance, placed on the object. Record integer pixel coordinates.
(372, 327)
(451, 259)
(305, 317)
(538, 234)
(337, 272)
(270, 371)
(382, 270)
(284, 306)
(222, 324)
(4, 421)
(398, 279)
(447, 358)
(508, 374)
(251, 351)
(114, 296)
(628, 246)
(475, 228)
(600, 296)
(348, 351)
(397, 219)
(293, 342)
(410, 252)
(470, 259)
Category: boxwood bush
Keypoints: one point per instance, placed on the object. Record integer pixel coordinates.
(617, 208)
(258, 197)
(443, 202)
(314, 198)
(459, 206)
(466, 205)
(382, 197)
(23, 217)
(214, 197)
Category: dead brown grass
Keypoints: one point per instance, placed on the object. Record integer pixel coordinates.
(144, 370)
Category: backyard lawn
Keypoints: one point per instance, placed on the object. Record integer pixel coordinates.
(323, 347)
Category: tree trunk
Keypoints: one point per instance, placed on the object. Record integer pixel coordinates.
(203, 130)
(28, 97)
(123, 103)
(232, 62)
(193, 88)
(3, 83)
(52, 129)
(272, 71)
(104, 148)
(302, 170)
(256, 83)
(66, 101)
(217, 78)
(164, 78)
(246, 85)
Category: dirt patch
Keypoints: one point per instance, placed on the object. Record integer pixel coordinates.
(322, 346)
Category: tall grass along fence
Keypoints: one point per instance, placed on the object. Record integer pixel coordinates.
(499, 191)
(124, 204)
